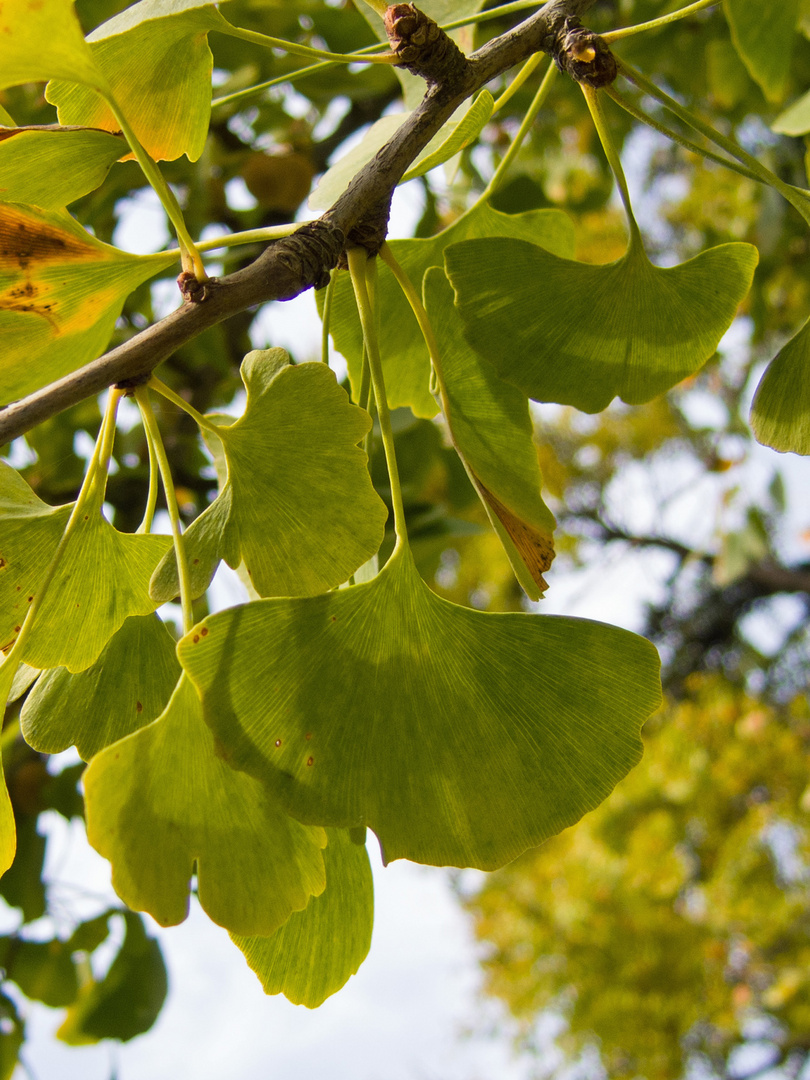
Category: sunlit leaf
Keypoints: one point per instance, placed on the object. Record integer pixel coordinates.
(298, 508)
(126, 1002)
(127, 688)
(405, 356)
(492, 431)
(52, 167)
(164, 798)
(780, 414)
(61, 291)
(459, 737)
(581, 335)
(317, 950)
(763, 33)
(452, 140)
(156, 57)
(42, 40)
(8, 829)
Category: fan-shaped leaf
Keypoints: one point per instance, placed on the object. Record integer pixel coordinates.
(51, 167)
(126, 1002)
(42, 39)
(780, 414)
(460, 737)
(581, 335)
(492, 431)
(405, 356)
(317, 950)
(164, 797)
(127, 687)
(61, 291)
(156, 57)
(298, 507)
(763, 32)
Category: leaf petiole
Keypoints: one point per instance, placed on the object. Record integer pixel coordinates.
(664, 20)
(150, 424)
(612, 155)
(306, 50)
(327, 318)
(362, 268)
(418, 308)
(151, 496)
(166, 392)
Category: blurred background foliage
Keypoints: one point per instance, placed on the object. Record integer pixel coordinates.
(672, 926)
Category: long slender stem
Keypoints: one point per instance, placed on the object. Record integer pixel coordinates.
(250, 236)
(614, 160)
(676, 136)
(797, 197)
(166, 392)
(663, 20)
(92, 489)
(360, 267)
(417, 307)
(150, 423)
(306, 50)
(361, 54)
(191, 260)
(327, 317)
(151, 497)
(522, 132)
(525, 72)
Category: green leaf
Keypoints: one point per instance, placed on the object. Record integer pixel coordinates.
(42, 40)
(22, 885)
(453, 137)
(61, 291)
(164, 797)
(31, 532)
(127, 688)
(763, 32)
(156, 57)
(581, 335)
(52, 167)
(127, 1001)
(8, 828)
(459, 737)
(317, 950)
(795, 120)
(405, 357)
(298, 506)
(44, 971)
(492, 430)
(102, 578)
(780, 413)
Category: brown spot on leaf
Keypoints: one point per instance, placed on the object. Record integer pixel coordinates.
(204, 632)
(308, 736)
(535, 548)
(26, 239)
(196, 638)
(138, 707)
(278, 742)
(310, 761)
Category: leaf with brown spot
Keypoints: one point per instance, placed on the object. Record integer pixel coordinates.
(61, 291)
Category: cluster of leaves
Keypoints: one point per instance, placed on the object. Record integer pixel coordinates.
(246, 762)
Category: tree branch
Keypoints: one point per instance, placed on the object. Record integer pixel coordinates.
(299, 262)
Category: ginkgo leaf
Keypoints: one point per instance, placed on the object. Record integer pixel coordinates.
(51, 167)
(29, 538)
(126, 1002)
(164, 798)
(61, 291)
(451, 139)
(156, 57)
(763, 33)
(42, 39)
(460, 737)
(780, 413)
(298, 507)
(492, 430)
(580, 335)
(402, 347)
(318, 949)
(127, 687)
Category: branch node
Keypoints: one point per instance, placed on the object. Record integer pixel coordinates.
(309, 254)
(421, 45)
(193, 291)
(583, 55)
